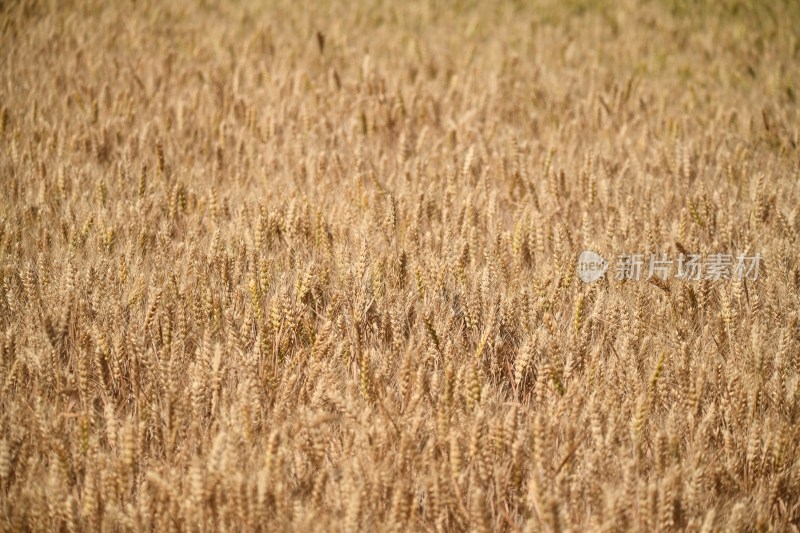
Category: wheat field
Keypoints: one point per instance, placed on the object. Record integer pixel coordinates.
(268, 266)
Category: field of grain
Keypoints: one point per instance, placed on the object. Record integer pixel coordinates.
(268, 266)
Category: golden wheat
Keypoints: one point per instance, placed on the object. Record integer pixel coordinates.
(281, 267)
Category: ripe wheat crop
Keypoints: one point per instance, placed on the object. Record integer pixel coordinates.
(269, 266)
